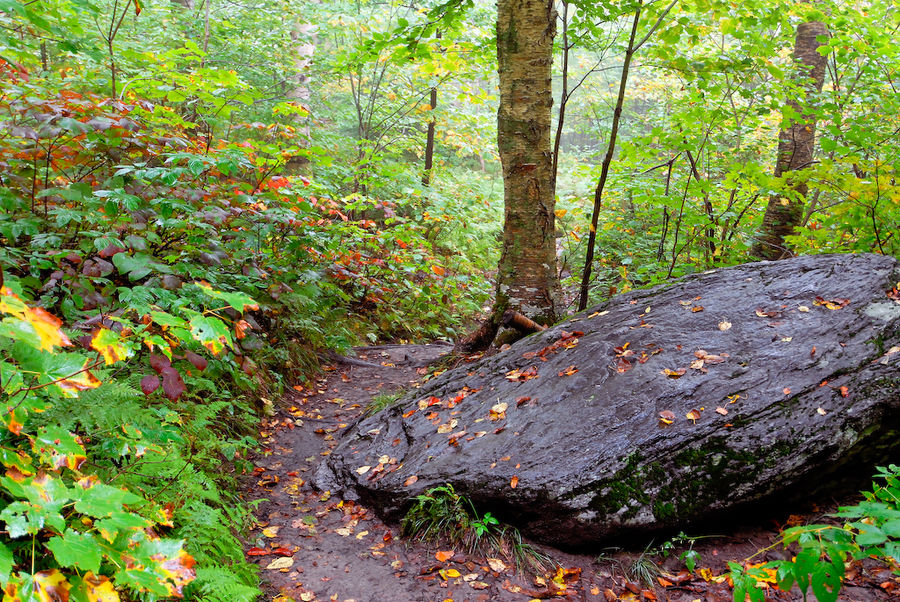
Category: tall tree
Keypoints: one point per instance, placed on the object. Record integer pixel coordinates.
(528, 281)
(796, 145)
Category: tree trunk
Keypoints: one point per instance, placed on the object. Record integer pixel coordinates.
(303, 36)
(429, 139)
(796, 145)
(527, 280)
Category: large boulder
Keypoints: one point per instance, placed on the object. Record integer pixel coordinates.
(659, 409)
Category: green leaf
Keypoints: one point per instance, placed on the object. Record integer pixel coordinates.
(869, 535)
(136, 266)
(101, 501)
(6, 563)
(892, 528)
(211, 332)
(75, 549)
(168, 320)
(238, 301)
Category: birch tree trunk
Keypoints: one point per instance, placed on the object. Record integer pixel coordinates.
(527, 281)
(796, 146)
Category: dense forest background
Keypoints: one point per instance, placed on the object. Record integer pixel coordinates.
(199, 196)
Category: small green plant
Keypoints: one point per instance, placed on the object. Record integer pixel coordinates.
(485, 525)
(872, 531)
(643, 569)
(443, 514)
(382, 401)
(439, 513)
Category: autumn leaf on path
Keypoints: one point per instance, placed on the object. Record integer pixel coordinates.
(522, 375)
(280, 564)
(514, 482)
(833, 304)
(568, 371)
(674, 373)
(444, 555)
(498, 411)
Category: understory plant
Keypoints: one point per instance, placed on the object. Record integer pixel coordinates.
(442, 514)
(821, 551)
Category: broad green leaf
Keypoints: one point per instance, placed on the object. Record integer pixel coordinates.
(101, 501)
(75, 549)
(211, 332)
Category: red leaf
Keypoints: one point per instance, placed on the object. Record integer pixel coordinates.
(844, 391)
(172, 384)
(257, 552)
(110, 250)
(159, 363)
(283, 552)
(199, 362)
(149, 384)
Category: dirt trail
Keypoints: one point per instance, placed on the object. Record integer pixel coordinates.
(313, 546)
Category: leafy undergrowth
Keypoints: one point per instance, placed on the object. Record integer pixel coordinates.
(160, 287)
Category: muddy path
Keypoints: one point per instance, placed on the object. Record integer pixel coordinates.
(313, 546)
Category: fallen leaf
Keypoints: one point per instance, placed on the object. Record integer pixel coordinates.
(496, 565)
(363, 470)
(674, 373)
(257, 552)
(697, 308)
(693, 416)
(280, 563)
(786, 390)
(514, 482)
(361, 534)
(444, 555)
(724, 325)
(568, 371)
(270, 531)
(844, 391)
(344, 531)
(722, 411)
(410, 480)
(478, 585)
(803, 308)
(667, 415)
(821, 411)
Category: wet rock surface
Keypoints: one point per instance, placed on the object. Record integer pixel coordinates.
(660, 409)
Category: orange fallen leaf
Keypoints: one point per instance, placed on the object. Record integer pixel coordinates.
(786, 390)
(514, 482)
(674, 373)
(444, 555)
(693, 416)
(722, 411)
(410, 480)
(844, 391)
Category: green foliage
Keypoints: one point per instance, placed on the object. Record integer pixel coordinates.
(873, 530)
(382, 401)
(442, 514)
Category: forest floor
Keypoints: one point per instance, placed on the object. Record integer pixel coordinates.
(313, 546)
